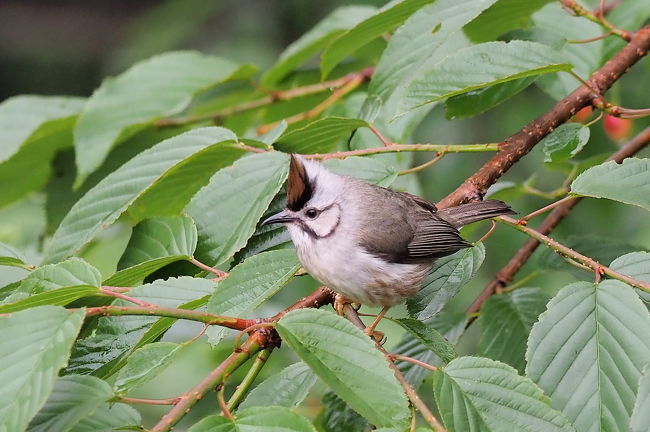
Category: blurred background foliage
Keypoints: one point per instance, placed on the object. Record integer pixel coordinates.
(66, 47)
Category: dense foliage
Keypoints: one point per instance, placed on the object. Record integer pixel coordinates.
(156, 183)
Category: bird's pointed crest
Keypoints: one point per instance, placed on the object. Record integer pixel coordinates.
(300, 188)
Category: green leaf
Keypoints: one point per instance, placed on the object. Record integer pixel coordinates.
(430, 338)
(142, 175)
(445, 279)
(100, 352)
(56, 297)
(384, 21)
(641, 414)
(428, 36)
(636, 265)
(587, 352)
(337, 416)
(320, 136)
(628, 182)
(258, 419)
(477, 101)
(497, 62)
(479, 394)
(565, 142)
(109, 417)
(227, 209)
(312, 42)
(501, 17)
(144, 365)
(160, 86)
(73, 397)
(352, 367)
(31, 358)
(9, 256)
(24, 119)
(367, 169)
(287, 388)
(71, 272)
(506, 321)
(250, 284)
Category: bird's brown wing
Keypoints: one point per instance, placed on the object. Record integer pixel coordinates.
(403, 228)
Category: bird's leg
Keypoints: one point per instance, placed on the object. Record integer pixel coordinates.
(340, 301)
(370, 330)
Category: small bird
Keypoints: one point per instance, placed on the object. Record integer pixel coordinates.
(370, 244)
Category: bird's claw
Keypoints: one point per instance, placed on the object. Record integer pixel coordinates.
(340, 301)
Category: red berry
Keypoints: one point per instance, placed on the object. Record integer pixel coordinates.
(584, 114)
(617, 128)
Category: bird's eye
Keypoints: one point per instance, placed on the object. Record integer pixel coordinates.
(311, 213)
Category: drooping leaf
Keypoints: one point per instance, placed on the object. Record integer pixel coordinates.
(160, 86)
(587, 352)
(320, 136)
(31, 358)
(227, 209)
(312, 42)
(430, 337)
(73, 398)
(445, 279)
(287, 388)
(641, 414)
(100, 352)
(258, 419)
(477, 101)
(506, 321)
(501, 17)
(490, 63)
(367, 169)
(337, 416)
(250, 284)
(565, 142)
(636, 265)
(628, 182)
(352, 367)
(109, 417)
(384, 21)
(480, 394)
(145, 364)
(142, 175)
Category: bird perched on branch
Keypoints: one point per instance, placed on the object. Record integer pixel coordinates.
(368, 243)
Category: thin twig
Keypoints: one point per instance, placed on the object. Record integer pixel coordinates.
(413, 361)
(425, 165)
(219, 273)
(593, 39)
(119, 295)
(385, 141)
(524, 220)
(399, 148)
(581, 11)
(131, 400)
(487, 234)
(248, 380)
(222, 402)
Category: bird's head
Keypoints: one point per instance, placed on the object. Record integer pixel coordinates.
(313, 203)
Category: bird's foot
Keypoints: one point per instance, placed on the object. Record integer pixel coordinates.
(378, 336)
(340, 301)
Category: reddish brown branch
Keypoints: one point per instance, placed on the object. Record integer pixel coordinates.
(519, 144)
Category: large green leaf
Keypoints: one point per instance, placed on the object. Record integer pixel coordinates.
(480, 66)
(115, 336)
(430, 338)
(384, 21)
(352, 367)
(144, 365)
(227, 209)
(636, 265)
(56, 297)
(445, 279)
(258, 419)
(287, 388)
(480, 394)
(320, 136)
(477, 101)
(423, 40)
(565, 142)
(312, 42)
(628, 182)
(506, 321)
(160, 86)
(501, 17)
(641, 413)
(587, 352)
(370, 170)
(24, 119)
(142, 175)
(73, 397)
(30, 359)
(109, 417)
(250, 284)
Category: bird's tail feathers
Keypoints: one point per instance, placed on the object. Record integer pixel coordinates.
(475, 211)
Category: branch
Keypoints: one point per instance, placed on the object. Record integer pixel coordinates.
(519, 144)
(597, 18)
(575, 256)
(507, 273)
(398, 148)
(248, 380)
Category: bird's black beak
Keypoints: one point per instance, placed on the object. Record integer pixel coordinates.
(282, 217)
